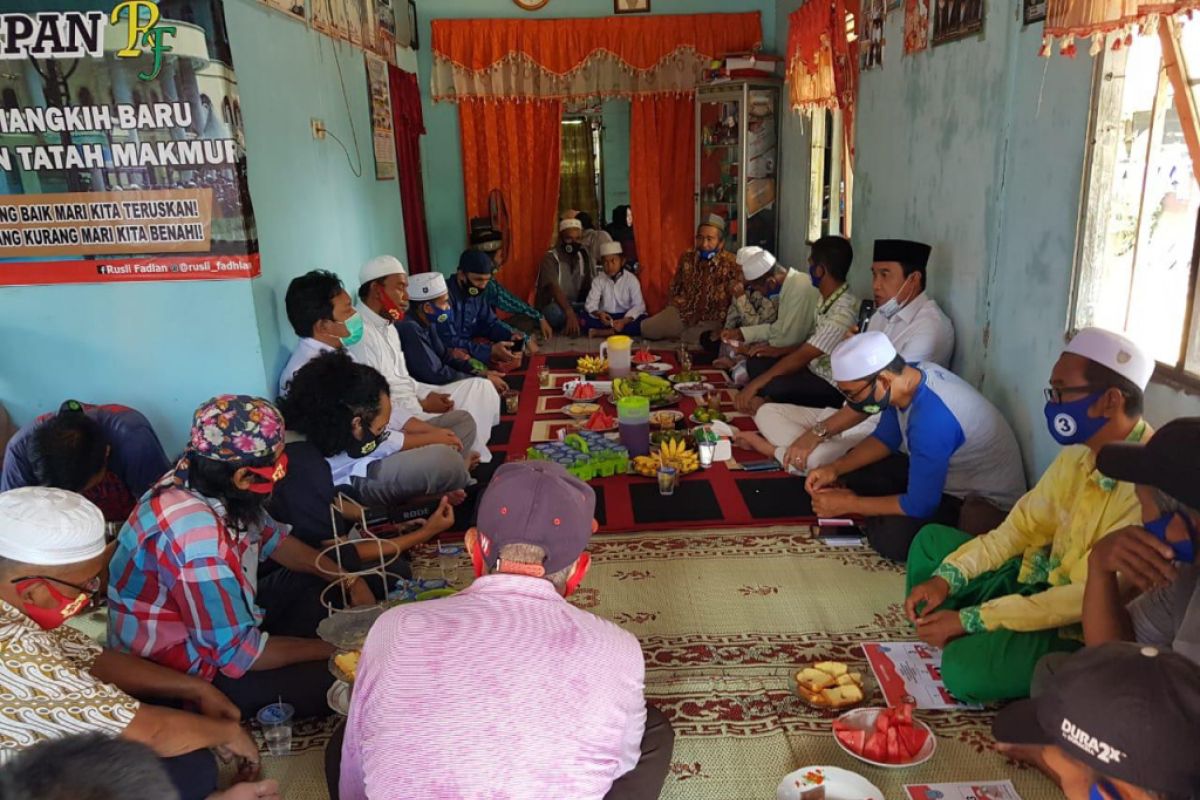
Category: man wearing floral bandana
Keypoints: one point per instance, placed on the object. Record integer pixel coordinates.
(184, 589)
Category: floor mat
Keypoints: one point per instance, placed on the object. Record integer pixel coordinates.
(775, 498)
(693, 501)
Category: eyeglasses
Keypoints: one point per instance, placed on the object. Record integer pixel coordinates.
(91, 588)
(861, 394)
(1054, 395)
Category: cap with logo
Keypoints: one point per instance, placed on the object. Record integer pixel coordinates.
(427, 286)
(755, 262)
(476, 262)
(536, 503)
(49, 527)
(611, 249)
(380, 267)
(1168, 461)
(1128, 711)
(1119, 353)
(904, 251)
(862, 356)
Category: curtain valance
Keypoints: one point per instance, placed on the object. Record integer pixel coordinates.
(1108, 22)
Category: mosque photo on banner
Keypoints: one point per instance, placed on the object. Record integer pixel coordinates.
(955, 19)
(1035, 10)
(872, 56)
(122, 163)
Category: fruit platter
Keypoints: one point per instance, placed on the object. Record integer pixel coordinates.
(599, 422)
(591, 365)
(690, 376)
(658, 437)
(703, 415)
(885, 737)
(658, 390)
(644, 356)
(671, 453)
(590, 391)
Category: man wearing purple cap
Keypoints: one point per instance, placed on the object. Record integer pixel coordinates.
(514, 691)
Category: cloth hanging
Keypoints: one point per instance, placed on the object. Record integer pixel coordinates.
(578, 171)
(408, 125)
(1105, 20)
(583, 58)
(662, 173)
(822, 60)
(514, 147)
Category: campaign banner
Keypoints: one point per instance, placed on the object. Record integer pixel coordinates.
(986, 790)
(910, 672)
(122, 153)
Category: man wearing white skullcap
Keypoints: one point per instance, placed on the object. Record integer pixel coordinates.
(56, 682)
(614, 304)
(564, 277)
(938, 441)
(1000, 601)
(698, 296)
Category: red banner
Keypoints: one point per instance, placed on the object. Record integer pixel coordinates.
(124, 270)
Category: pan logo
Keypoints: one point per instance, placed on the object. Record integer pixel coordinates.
(144, 31)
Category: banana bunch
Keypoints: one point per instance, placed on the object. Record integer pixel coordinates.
(672, 453)
(591, 365)
(644, 385)
(646, 466)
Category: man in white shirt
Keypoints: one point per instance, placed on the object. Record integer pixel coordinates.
(417, 408)
(322, 314)
(614, 303)
(801, 438)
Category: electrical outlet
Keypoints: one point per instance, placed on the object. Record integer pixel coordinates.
(318, 128)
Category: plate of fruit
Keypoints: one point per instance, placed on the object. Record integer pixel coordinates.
(655, 369)
(658, 437)
(826, 783)
(830, 685)
(644, 356)
(666, 420)
(599, 422)
(658, 391)
(885, 737)
(703, 415)
(581, 410)
(690, 376)
(671, 453)
(694, 389)
(591, 365)
(586, 390)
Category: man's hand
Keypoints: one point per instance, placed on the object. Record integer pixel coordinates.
(833, 502)
(571, 328)
(618, 325)
(732, 335)
(821, 478)
(437, 403)
(211, 702)
(736, 289)
(940, 628)
(1139, 557)
(441, 519)
(502, 352)
(360, 594)
(547, 330)
(447, 437)
(925, 598)
(517, 336)
(743, 401)
(799, 450)
(348, 509)
(241, 747)
(605, 317)
(458, 354)
(755, 350)
(497, 380)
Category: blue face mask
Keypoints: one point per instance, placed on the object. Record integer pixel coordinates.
(1110, 792)
(440, 315)
(1185, 551)
(706, 255)
(1069, 423)
(812, 275)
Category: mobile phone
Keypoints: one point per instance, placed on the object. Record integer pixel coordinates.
(865, 311)
(518, 344)
(761, 466)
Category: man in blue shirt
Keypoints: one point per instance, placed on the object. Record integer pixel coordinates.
(474, 318)
(938, 440)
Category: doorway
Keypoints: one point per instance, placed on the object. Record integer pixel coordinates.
(581, 183)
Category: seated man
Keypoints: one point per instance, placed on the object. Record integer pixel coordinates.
(998, 602)
(564, 278)
(938, 441)
(322, 314)
(614, 304)
(699, 292)
(802, 438)
(428, 358)
(109, 454)
(55, 682)
(416, 407)
(1120, 722)
(795, 304)
(184, 589)
(522, 317)
(473, 317)
(800, 374)
(748, 307)
(512, 632)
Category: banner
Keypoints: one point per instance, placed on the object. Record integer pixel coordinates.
(122, 155)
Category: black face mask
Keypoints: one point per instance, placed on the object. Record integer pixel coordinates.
(869, 405)
(364, 448)
(570, 248)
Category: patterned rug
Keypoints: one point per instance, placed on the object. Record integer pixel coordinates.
(724, 618)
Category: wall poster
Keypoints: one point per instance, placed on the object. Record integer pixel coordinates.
(916, 26)
(381, 118)
(956, 19)
(1034, 11)
(122, 156)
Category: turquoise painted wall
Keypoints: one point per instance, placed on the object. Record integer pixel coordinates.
(977, 147)
(616, 155)
(440, 153)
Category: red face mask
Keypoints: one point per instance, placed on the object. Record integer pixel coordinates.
(67, 606)
(389, 305)
(269, 475)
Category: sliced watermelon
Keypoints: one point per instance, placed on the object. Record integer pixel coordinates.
(914, 740)
(902, 714)
(884, 720)
(854, 741)
(876, 747)
(895, 755)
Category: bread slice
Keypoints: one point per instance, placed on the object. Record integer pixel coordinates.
(834, 668)
(814, 679)
(850, 679)
(840, 696)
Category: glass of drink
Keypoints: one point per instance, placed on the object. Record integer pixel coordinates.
(448, 559)
(707, 450)
(276, 722)
(544, 379)
(511, 402)
(668, 477)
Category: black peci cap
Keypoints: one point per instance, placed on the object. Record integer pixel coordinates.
(915, 254)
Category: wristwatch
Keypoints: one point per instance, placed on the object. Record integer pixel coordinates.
(820, 430)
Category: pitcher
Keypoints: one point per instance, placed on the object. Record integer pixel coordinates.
(619, 352)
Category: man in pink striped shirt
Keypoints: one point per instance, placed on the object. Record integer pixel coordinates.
(506, 690)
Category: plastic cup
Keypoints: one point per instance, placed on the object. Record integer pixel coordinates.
(276, 722)
(668, 477)
(511, 402)
(544, 379)
(707, 451)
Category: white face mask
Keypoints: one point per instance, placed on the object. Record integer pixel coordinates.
(892, 307)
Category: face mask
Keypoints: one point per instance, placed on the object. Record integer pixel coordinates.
(1110, 792)
(1185, 551)
(812, 275)
(50, 618)
(395, 312)
(355, 327)
(444, 315)
(1069, 423)
(365, 448)
(892, 307)
(706, 255)
(570, 248)
(269, 475)
(870, 405)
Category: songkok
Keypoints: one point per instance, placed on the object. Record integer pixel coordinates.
(476, 262)
(862, 356)
(1114, 351)
(611, 249)
(49, 527)
(570, 224)
(427, 286)
(714, 221)
(914, 254)
(236, 428)
(380, 267)
(755, 262)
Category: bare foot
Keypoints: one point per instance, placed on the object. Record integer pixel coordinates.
(261, 790)
(749, 440)
(456, 497)
(472, 462)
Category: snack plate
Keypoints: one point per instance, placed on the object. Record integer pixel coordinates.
(864, 719)
(338, 697)
(840, 784)
(593, 407)
(868, 687)
(694, 389)
(347, 630)
(658, 421)
(666, 400)
(655, 369)
(602, 388)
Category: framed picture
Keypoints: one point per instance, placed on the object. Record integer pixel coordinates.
(956, 19)
(414, 42)
(631, 6)
(872, 55)
(1035, 11)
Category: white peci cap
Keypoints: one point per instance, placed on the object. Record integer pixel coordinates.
(611, 249)
(49, 527)
(755, 262)
(427, 286)
(861, 356)
(380, 267)
(570, 224)
(1114, 351)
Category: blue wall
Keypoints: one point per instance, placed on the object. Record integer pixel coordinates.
(440, 151)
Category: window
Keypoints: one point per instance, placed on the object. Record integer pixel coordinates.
(827, 198)
(1136, 260)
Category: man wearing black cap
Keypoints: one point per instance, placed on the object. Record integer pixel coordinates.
(473, 318)
(1119, 722)
(521, 316)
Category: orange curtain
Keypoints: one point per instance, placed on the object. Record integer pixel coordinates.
(514, 147)
(662, 174)
(822, 59)
(1067, 20)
